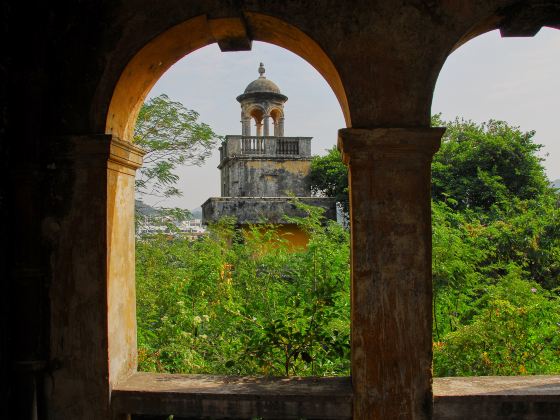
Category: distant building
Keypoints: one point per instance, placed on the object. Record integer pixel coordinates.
(152, 221)
(192, 229)
(260, 173)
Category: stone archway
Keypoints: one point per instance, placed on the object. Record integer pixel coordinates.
(389, 183)
(123, 104)
(153, 59)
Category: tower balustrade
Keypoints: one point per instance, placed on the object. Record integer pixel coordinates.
(265, 146)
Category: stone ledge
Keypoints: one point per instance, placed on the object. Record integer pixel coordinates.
(497, 398)
(196, 396)
(254, 210)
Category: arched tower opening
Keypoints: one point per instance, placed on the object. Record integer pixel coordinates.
(277, 116)
(160, 53)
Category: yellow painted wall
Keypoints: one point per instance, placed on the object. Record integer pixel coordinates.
(292, 233)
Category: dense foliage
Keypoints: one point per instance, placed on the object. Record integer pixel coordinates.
(241, 303)
(482, 165)
(329, 178)
(245, 302)
(496, 254)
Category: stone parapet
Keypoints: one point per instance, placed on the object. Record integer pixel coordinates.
(265, 146)
(253, 210)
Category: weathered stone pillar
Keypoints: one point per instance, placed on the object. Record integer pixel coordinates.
(389, 178)
(92, 298)
(259, 131)
(280, 127)
(246, 127)
(266, 120)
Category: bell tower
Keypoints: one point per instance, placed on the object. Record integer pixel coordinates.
(262, 169)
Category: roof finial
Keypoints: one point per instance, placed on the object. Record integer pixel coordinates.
(261, 70)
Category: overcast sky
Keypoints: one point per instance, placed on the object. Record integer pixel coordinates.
(512, 79)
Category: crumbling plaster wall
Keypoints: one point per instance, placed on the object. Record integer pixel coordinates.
(267, 177)
(254, 210)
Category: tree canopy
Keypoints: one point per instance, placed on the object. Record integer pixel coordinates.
(478, 167)
(172, 136)
(329, 177)
(482, 165)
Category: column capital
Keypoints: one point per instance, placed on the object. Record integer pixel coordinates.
(126, 154)
(88, 147)
(94, 150)
(359, 144)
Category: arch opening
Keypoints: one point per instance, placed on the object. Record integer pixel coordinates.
(257, 114)
(141, 74)
(247, 178)
(159, 54)
(278, 120)
(494, 92)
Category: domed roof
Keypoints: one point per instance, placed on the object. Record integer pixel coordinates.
(262, 84)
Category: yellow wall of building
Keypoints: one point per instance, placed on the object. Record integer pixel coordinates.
(296, 237)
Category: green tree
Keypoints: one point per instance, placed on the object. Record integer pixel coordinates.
(172, 136)
(329, 178)
(496, 254)
(482, 165)
(478, 166)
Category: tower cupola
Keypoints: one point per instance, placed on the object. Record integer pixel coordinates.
(262, 102)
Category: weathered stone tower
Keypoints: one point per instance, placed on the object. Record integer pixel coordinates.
(260, 172)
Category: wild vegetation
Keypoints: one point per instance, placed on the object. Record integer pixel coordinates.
(242, 302)
(245, 302)
(496, 254)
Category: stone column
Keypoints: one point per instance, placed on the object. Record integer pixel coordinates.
(92, 293)
(266, 120)
(259, 125)
(280, 127)
(389, 179)
(246, 127)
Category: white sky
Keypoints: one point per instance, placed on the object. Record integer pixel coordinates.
(512, 79)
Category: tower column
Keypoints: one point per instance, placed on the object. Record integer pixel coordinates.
(279, 128)
(246, 126)
(259, 126)
(266, 120)
(389, 182)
